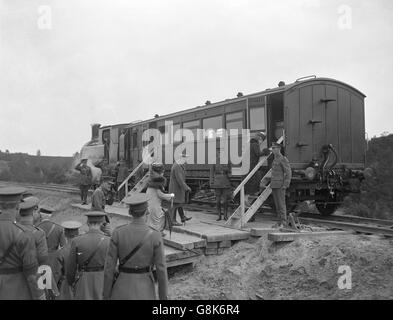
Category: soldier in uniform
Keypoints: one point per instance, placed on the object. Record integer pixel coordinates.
(137, 247)
(26, 211)
(219, 181)
(71, 230)
(86, 261)
(280, 180)
(18, 257)
(85, 179)
(55, 239)
(98, 202)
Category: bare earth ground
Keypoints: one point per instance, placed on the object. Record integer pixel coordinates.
(304, 269)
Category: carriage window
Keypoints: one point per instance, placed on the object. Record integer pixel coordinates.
(135, 139)
(234, 121)
(176, 128)
(257, 118)
(193, 126)
(211, 125)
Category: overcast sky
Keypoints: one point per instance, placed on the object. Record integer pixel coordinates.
(116, 61)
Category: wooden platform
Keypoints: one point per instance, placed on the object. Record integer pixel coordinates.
(292, 236)
(183, 241)
(175, 257)
(259, 232)
(187, 243)
(212, 233)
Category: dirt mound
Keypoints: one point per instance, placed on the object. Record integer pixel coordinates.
(304, 269)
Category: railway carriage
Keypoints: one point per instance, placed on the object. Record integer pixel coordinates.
(321, 120)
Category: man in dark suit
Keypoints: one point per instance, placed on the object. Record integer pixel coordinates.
(179, 187)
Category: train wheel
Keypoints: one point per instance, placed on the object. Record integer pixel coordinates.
(326, 209)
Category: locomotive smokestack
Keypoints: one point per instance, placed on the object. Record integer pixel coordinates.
(95, 131)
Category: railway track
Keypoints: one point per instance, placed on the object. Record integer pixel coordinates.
(48, 187)
(335, 221)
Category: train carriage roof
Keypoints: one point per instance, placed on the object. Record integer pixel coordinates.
(265, 92)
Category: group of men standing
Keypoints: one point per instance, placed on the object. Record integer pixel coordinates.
(28, 240)
(93, 265)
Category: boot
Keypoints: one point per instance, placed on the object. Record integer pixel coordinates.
(226, 211)
(183, 216)
(173, 214)
(219, 211)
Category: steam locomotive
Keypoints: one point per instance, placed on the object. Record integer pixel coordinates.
(321, 121)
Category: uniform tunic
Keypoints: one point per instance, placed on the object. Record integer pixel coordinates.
(90, 284)
(55, 238)
(219, 181)
(40, 241)
(59, 272)
(19, 284)
(98, 200)
(280, 180)
(133, 286)
(85, 177)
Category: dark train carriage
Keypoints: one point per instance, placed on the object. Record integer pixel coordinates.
(321, 120)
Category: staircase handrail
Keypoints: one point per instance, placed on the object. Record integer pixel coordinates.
(256, 168)
(133, 173)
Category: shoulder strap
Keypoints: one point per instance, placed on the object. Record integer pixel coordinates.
(50, 231)
(86, 263)
(133, 251)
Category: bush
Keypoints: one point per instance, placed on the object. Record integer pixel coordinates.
(376, 197)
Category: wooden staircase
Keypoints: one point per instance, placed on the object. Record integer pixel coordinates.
(242, 214)
(140, 185)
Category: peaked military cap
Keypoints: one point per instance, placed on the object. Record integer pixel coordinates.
(107, 179)
(95, 216)
(11, 194)
(261, 135)
(27, 206)
(137, 202)
(46, 209)
(157, 167)
(71, 225)
(26, 195)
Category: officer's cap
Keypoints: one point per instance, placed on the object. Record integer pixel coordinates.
(26, 195)
(11, 194)
(157, 167)
(27, 206)
(95, 216)
(71, 225)
(107, 179)
(84, 159)
(46, 209)
(137, 203)
(261, 135)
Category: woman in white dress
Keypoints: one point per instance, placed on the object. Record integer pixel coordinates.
(156, 194)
